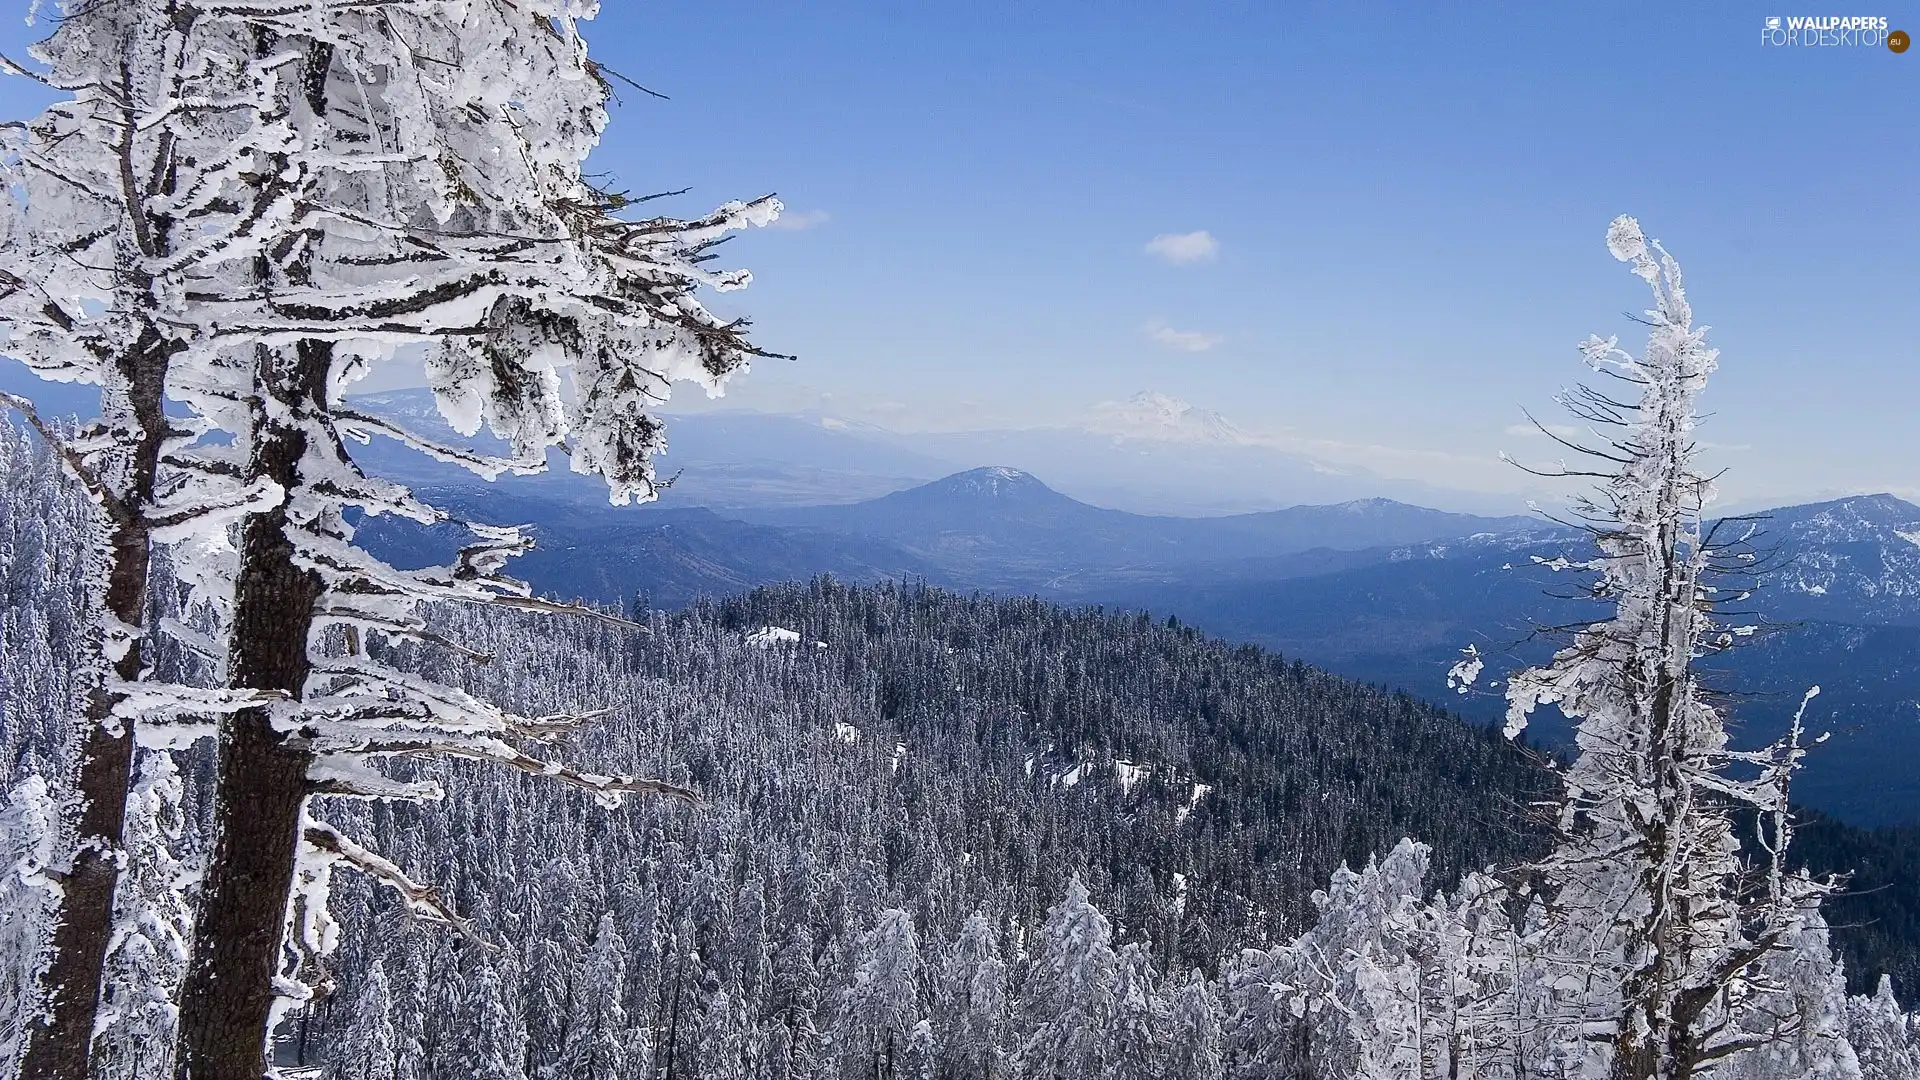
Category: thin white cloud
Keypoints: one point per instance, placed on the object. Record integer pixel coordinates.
(1182, 340)
(801, 220)
(1529, 431)
(1183, 249)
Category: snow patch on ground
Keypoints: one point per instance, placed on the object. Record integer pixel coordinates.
(1128, 774)
(769, 636)
(846, 732)
(1199, 792)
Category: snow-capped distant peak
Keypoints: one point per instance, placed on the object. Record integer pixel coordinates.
(995, 481)
(1157, 416)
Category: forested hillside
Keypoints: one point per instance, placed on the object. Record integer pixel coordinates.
(947, 756)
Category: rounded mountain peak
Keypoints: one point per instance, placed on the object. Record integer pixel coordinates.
(992, 481)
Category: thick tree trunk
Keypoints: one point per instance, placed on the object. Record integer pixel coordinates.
(227, 996)
(60, 1040)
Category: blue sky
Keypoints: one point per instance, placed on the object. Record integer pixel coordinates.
(1408, 204)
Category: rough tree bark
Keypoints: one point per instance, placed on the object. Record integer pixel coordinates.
(227, 996)
(60, 1039)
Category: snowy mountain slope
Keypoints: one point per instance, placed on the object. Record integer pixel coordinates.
(1154, 416)
(1859, 555)
(940, 752)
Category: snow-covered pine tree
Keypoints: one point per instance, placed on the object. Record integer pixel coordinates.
(1660, 930)
(372, 1049)
(1353, 976)
(494, 1046)
(119, 207)
(1882, 1036)
(411, 228)
(971, 1016)
(921, 1055)
(29, 846)
(749, 957)
(1193, 1031)
(1798, 1028)
(1070, 993)
(1140, 1016)
(726, 1047)
(149, 948)
(796, 1001)
(597, 1037)
(874, 1024)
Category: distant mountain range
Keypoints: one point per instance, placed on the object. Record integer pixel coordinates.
(1373, 589)
(1003, 527)
(1839, 605)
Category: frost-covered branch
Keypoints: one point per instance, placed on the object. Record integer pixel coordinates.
(423, 902)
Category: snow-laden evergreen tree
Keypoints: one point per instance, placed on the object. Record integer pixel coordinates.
(1660, 932)
(494, 1046)
(30, 842)
(410, 1030)
(1193, 1031)
(748, 957)
(877, 1014)
(1392, 982)
(922, 1055)
(727, 1050)
(776, 1053)
(549, 998)
(973, 1004)
(370, 1048)
(1799, 1028)
(149, 949)
(122, 203)
(1882, 1036)
(1070, 994)
(796, 1002)
(432, 163)
(597, 1033)
(1648, 945)
(1350, 981)
(1140, 1016)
